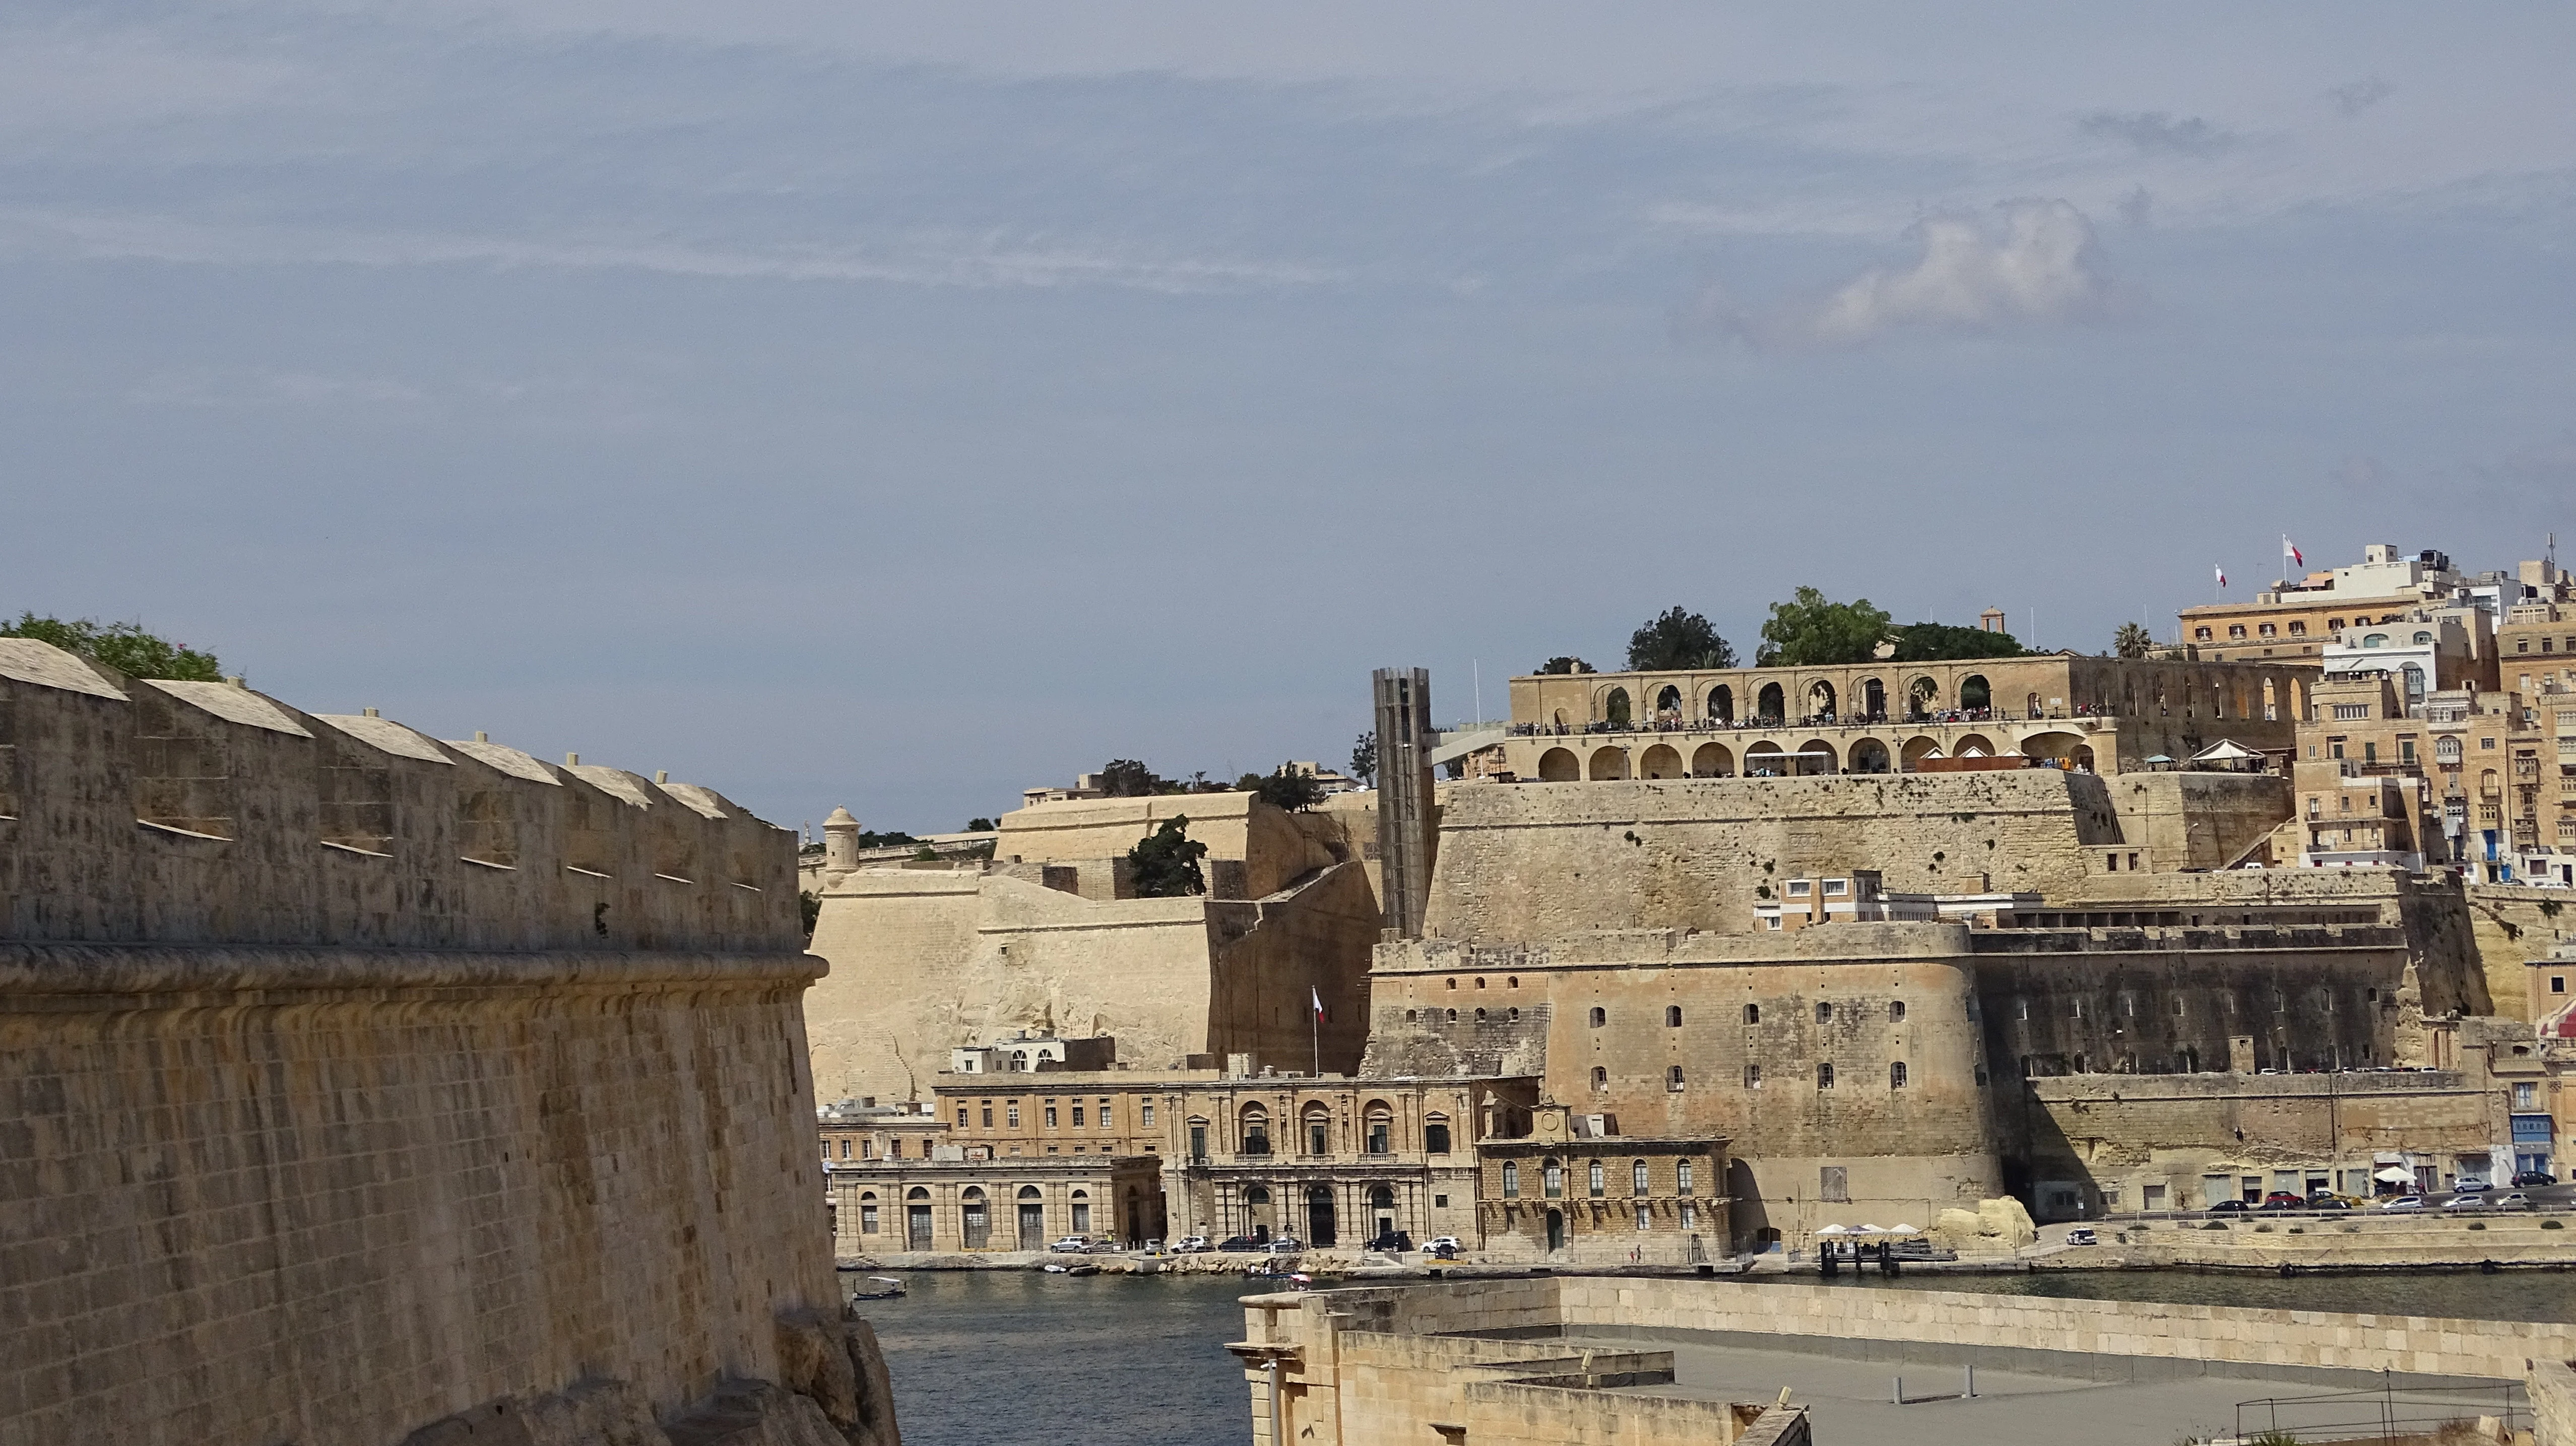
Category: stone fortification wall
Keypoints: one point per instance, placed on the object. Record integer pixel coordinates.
(1543, 861)
(2553, 1402)
(352, 1084)
(923, 962)
(2513, 925)
(2198, 820)
(1274, 846)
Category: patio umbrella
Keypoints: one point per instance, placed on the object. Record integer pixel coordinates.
(2395, 1175)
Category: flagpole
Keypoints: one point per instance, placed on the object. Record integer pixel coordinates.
(1315, 1028)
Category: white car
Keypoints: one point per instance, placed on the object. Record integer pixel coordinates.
(2403, 1202)
(2471, 1184)
(2465, 1202)
(1442, 1242)
(2510, 1200)
(1189, 1245)
(1071, 1245)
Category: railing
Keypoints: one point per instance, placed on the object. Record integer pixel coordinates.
(1811, 720)
(2388, 1414)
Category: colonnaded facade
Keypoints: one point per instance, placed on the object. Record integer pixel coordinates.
(2106, 715)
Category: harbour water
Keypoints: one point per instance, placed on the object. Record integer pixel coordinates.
(1019, 1358)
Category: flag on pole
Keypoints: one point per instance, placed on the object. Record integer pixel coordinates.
(2291, 551)
(2222, 574)
(1319, 1000)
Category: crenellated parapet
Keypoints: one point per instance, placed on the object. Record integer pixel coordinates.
(135, 811)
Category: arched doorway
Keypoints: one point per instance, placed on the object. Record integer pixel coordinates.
(2055, 745)
(1974, 692)
(1258, 1215)
(1319, 1216)
(1555, 1231)
(1660, 761)
(1765, 760)
(1922, 695)
(1669, 700)
(1382, 1210)
(1974, 745)
(916, 1219)
(1820, 700)
(1770, 705)
(1032, 1219)
(1617, 708)
(1721, 703)
(1868, 756)
(1609, 763)
(1873, 699)
(975, 1219)
(1558, 765)
(1815, 756)
(1711, 760)
(1920, 747)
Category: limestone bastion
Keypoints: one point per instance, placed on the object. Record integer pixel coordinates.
(362, 1087)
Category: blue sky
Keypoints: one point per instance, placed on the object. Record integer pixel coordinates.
(900, 406)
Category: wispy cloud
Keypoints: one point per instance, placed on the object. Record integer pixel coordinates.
(920, 259)
(2035, 263)
(2155, 130)
(2360, 95)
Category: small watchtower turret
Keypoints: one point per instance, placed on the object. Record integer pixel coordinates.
(840, 840)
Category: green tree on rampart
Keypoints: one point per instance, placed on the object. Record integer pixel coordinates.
(1127, 778)
(126, 647)
(1811, 630)
(1290, 790)
(1364, 759)
(1675, 641)
(2133, 641)
(1565, 665)
(1166, 865)
(1933, 642)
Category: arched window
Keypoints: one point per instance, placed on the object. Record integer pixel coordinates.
(1256, 1195)
(1255, 1126)
(1029, 1192)
(1896, 1011)
(1896, 1075)
(1514, 1015)
(916, 1193)
(1617, 708)
(1512, 982)
(1480, 981)
(1382, 1197)
(1824, 1076)
(1753, 1014)
(1600, 1080)
(1598, 1180)
(1684, 1176)
(1771, 704)
(1453, 1016)
(1480, 1016)
(1637, 1178)
(1753, 1076)
(1673, 1078)
(1511, 1179)
(1974, 692)
(1599, 1016)
(1721, 703)
(1552, 1179)
(1669, 700)
(2375, 640)
(2423, 637)
(2447, 750)
(1020, 1060)
(1453, 983)
(1824, 1013)
(1411, 1016)
(1672, 1016)
(1379, 1130)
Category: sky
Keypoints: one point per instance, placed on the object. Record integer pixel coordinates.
(901, 406)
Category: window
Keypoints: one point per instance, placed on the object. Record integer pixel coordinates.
(867, 1215)
(2201, 635)
(961, 1117)
(1552, 1179)
(1011, 1114)
(1380, 1134)
(1480, 1016)
(1452, 983)
(1798, 888)
(1824, 1076)
(1596, 1179)
(1672, 1016)
(1316, 1137)
(1824, 1014)
(1145, 1115)
(1753, 1076)
(1439, 1202)
(1896, 1011)
(1081, 1215)
(1896, 1075)
(1753, 1014)
(1511, 1179)
(2298, 629)
(2021, 1009)
(2526, 1095)
(1600, 1017)
(1104, 1114)
(2235, 631)
(1690, 1216)
(1673, 1078)
(1050, 1114)
(2557, 983)
(1600, 1080)
(1637, 1178)
(1683, 1175)
(988, 1114)
(1435, 1138)
(1453, 1016)
(2267, 630)
(1077, 1117)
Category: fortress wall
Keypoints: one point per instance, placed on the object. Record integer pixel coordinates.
(191, 811)
(1543, 861)
(2513, 925)
(2198, 820)
(1317, 938)
(1276, 847)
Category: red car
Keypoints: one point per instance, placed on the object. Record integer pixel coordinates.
(2283, 1200)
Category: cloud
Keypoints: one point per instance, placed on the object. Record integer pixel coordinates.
(2035, 264)
(2155, 130)
(2361, 94)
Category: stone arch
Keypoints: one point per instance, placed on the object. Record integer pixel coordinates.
(1922, 695)
(1616, 709)
(1669, 700)
(1821, 699)
(1815, 757)
(1609, 763)
(2055, 743)
(1974, 745)
(1765, 760)
(1867, 755)
(1661, 761)
(1771, 704)
(1976, 692)
(1873, 698)
(1920, 747)
(1558, 765)
(1711, 760)
(2030, 705)
(1721, 703)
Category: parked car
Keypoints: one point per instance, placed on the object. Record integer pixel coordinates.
(2328, 1202)
(2533, 1179)
(2402, 1202)
(2510, 1200)
(2471, 1184)
(1071, 1245)
(1239, 1243)
(1286, 1245)
(2465, 1202)
(1394, 1240)
(2082, 1235)
(1442, 1242)
(2283, 1200)
(1189, 1245)
(2229, 1207)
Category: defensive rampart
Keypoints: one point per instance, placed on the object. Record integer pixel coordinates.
(363, 1088)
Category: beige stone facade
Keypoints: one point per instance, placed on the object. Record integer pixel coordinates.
(973, 1205)
(2104, 715)
(1049, 937)
(361, 1082)
(1568, 1190)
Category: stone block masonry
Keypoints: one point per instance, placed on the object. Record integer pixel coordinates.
(356, 1087)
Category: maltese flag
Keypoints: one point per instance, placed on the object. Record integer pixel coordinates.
(2222, 574)
(1319, 1001)
(2291, 551)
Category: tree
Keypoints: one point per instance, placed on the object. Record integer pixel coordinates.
(1166, 865)
(1290, 790)
(1809, 630)
(1675, 641)
(1931, 642)
(812, 908)
(1364, 758)
(1127, 778)
(2133, 641)
(126, 647)
(1565, 665)
(981, 825)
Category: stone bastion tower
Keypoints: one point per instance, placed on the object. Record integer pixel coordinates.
(361, 1087)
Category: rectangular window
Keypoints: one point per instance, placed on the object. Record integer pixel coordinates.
(1683, 1175)
(2526, 1095)
(1753, 1076)
(1439, 1202)
(1145, 1114)
(1690, 1216)
(1104, 1114)
(1081, 1218)
(988, 1117)
(867, 1220)
(1598, 1180)
(1011, 1114)
(1077, 1117)
(1050, 1114)
(961, 1117)
(1645, 1217)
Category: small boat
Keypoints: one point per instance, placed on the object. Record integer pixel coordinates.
(878, 1287)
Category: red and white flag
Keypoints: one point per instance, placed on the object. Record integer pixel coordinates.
(2291, 551)
(2222, 574)
(1319, 1001)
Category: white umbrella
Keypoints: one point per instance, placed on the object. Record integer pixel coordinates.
(2395, 1175)
(1902, 1229)
(1833, 1230)
(1869, 1230)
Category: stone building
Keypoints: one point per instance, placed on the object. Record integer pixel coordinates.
(2297, 619)
(1049, 936)
(1336, 1161)
(2101, 715)
(985, 1203)
(2363, 780)
(363, 1084)
(1576, 1187)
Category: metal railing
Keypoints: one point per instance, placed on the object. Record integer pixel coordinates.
(2390, 1413)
